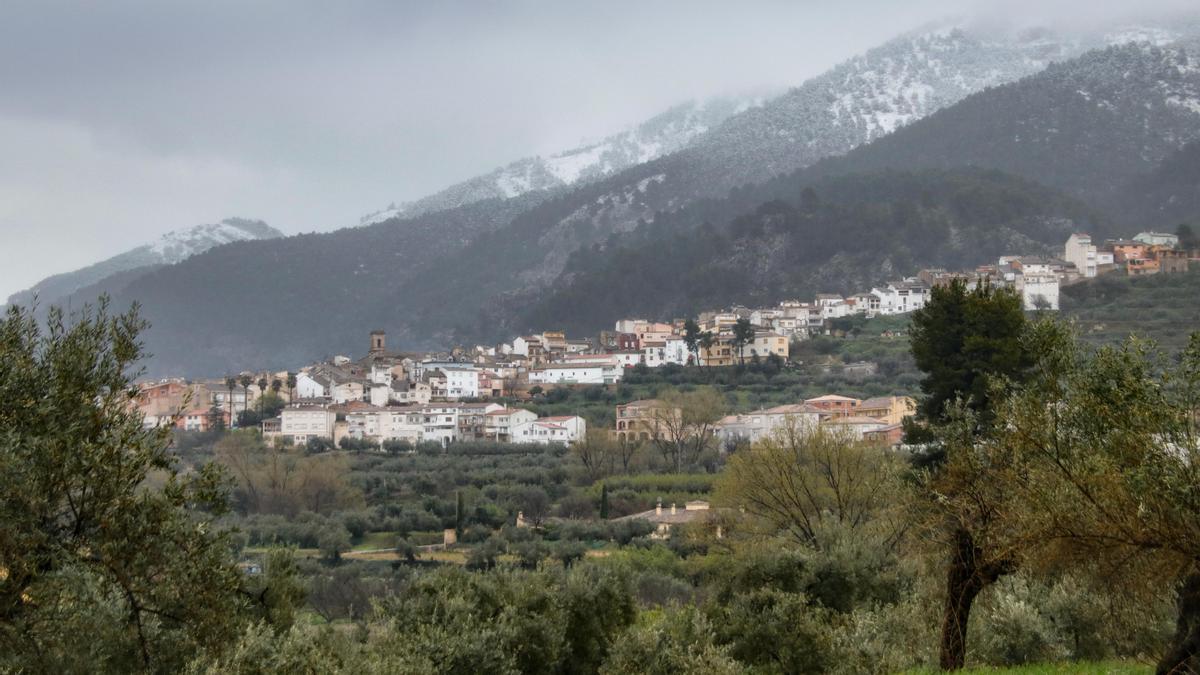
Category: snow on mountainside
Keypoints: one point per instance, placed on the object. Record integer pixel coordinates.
(904, 80)
(180, 244)
(858, 101)
(660, 135)
(171, 248)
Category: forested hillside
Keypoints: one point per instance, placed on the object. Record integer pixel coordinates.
(1167, 195)
(840, 235)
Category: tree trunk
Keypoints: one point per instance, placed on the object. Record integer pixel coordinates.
(1183, 655)
(967, 575)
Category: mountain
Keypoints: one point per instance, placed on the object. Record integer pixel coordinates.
(1088, 126)
(1095, 128)
(864, 99)
(660, 135)
(171, 248)
(283, 302)
(840, 235)
(1167, 195)
(481, 271)
(738, 140)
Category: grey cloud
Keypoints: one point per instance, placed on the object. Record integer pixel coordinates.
(128, 119)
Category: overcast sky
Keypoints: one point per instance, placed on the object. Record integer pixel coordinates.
(120, 121)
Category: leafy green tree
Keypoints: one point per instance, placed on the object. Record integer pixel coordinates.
(964, 338)
(1099, 456)
(103, 535)
(678, 641)
(776, 632)
(604, 501)
(291, 384)
(333, 541)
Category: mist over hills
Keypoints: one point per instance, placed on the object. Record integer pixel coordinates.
(944, 147)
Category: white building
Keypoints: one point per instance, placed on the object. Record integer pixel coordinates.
(1081, 252)
(303, 420)
(627, 359)
(760, 424)
(311, 385)
(855, 426)
(546, 430)
(654, 354)
(499, 424)
(379, 394)
(675, 351)
(1038, 290)
(461, 382)
(569, 373)
(900, 297)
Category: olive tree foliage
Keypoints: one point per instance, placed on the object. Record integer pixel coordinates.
(1100, 456)
(679, 642)
(800, 481)
(103, 537)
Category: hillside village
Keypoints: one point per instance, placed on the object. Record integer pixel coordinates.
(462, 395)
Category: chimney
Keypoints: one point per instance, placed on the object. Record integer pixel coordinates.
(658, 509)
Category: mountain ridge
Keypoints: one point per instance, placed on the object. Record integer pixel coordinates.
(172, 247)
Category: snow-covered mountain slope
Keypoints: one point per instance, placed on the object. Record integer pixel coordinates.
(662, 134)
(859, 101)
(171, 248)
(904, 80)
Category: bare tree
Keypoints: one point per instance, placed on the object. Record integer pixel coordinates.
(596, 451)
(684, 423)
(799, 481)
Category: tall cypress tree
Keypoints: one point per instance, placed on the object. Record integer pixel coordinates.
(604, 501)
(459, 512)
